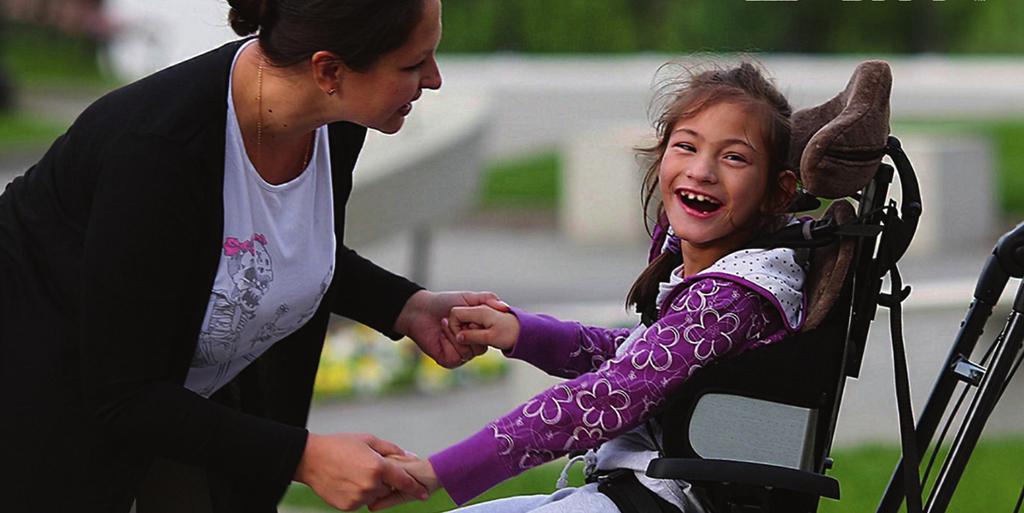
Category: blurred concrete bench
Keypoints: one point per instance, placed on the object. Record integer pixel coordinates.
(957, 175)
(601, 182)
(600, 189)
(421, 176)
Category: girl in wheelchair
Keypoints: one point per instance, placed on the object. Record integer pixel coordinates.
(720, 171)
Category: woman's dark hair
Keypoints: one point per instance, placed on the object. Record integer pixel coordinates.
(684, 98)
(358, 31)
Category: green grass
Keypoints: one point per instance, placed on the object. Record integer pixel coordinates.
(540, 480)
(532, 181)
(44, 57)
(991, 482)
(19, 129)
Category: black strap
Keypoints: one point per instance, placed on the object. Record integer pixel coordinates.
(630, 496)
(911, 456)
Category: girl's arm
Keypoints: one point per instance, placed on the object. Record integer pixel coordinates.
(565, 349)
(621, 394)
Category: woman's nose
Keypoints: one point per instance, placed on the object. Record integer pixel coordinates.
(432, 77)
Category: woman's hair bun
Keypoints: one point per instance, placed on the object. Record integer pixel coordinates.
(247, 16)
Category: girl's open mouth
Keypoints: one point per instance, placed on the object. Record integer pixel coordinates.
(699, 205)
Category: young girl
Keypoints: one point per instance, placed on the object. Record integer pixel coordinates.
(708, 293)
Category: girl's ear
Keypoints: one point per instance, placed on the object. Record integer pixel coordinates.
(328, 71)
(785, 191)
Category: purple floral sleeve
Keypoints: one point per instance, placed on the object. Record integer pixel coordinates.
(563, 348)
(713, 319)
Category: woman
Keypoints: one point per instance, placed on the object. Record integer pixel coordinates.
(187, 227)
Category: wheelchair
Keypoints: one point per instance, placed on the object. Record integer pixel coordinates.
(754, 433)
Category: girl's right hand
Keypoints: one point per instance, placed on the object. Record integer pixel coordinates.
(483, 326)
(348, 471)
(417, 467)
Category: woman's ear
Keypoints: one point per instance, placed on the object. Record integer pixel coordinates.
(328, 71)
(785, 191)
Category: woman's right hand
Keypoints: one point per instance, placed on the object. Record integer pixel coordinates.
(348, 470)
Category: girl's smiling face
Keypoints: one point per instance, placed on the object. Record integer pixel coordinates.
(713, 178)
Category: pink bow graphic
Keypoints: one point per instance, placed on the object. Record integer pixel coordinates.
(233, 246)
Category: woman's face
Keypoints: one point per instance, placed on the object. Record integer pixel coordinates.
(382, 96)
(714, 177)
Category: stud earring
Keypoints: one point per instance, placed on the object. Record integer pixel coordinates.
(331, 92)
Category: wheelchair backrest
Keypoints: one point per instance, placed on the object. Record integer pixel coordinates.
(778, 404)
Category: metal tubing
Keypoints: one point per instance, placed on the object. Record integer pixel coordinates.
(967, 338)
(988, 396)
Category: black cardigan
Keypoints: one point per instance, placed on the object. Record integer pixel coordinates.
(116, 236)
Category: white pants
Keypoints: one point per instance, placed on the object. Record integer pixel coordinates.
(569, 500)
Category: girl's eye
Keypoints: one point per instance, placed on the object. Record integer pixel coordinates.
(685, 147)
(736, 157)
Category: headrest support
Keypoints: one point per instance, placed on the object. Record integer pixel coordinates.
(829, 267)
(841, 142)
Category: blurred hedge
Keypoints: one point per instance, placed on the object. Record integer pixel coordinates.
(811, 26)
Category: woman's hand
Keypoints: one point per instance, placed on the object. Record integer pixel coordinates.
(349, 470)
(421, 317)
(420, 469)
(482, 326)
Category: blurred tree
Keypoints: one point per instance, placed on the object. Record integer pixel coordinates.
(818, 26)
(480, 25)
(995, 27)
(566, 25)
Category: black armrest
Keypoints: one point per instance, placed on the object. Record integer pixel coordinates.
(741, 472)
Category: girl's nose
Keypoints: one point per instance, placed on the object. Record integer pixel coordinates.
(702, 171)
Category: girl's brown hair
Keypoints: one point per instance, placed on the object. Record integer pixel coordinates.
(684, 98)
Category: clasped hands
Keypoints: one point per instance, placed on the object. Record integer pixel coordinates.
(351, 470)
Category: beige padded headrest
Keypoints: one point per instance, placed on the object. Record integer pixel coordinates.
(841, 142)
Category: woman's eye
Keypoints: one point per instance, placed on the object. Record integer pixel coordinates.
(414, 67)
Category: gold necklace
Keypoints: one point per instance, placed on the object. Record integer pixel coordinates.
(306, 155)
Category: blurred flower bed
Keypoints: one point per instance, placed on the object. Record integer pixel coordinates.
(358, 362)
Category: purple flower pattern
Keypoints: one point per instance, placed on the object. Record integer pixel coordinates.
(611, 394)
(696, 298)
(712, 334)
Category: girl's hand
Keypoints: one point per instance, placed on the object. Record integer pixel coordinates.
(421, 319)
(484, 326)
(348, 471)
(418, 468)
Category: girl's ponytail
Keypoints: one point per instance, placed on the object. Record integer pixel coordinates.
(644, 293)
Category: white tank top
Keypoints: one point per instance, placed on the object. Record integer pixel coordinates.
(277, 259)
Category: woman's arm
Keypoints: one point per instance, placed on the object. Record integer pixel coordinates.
(370, 294)
(615, 398)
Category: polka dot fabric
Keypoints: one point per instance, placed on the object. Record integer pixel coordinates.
(773, 272)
